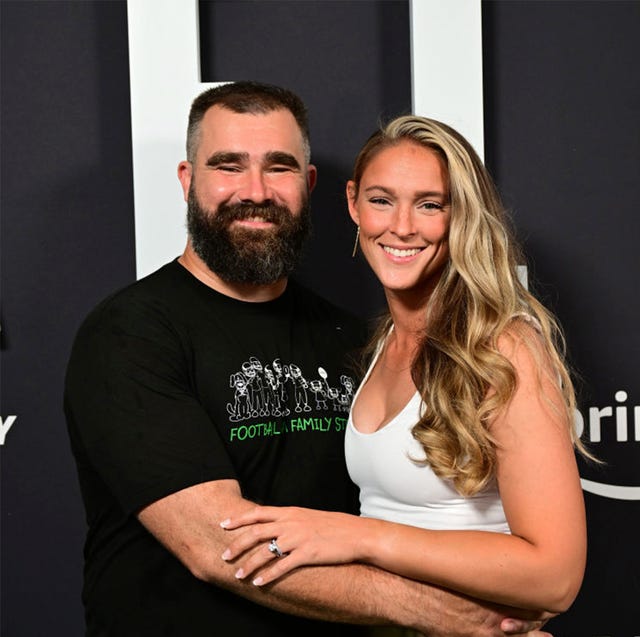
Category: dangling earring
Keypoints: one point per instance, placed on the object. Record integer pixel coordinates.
(355, 245)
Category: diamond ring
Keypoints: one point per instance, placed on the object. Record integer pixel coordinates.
(275, 549)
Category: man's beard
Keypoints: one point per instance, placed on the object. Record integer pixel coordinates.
(244, 255)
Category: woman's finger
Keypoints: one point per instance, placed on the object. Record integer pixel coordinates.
(251, 516)
(270, 552)
(279, 567)
(252, 536)
(529, 627)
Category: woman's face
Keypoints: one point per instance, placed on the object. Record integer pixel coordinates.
(402, 209)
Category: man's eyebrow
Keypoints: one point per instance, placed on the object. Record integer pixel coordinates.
(282, 158)
(226, 157)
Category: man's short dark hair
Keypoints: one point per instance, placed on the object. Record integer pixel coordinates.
(246, 97)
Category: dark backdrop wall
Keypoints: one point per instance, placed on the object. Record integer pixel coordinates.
(562, 111)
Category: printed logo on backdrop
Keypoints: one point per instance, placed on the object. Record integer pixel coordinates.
(5, 425)
(605, 418)
(599, 417)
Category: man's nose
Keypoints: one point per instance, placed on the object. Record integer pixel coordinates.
(254, 188)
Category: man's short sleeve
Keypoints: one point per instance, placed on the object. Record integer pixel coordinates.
(132, 407)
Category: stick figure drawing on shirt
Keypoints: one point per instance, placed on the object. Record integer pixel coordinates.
(264, 390)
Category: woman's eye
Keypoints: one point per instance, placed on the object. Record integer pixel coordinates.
(431, 207)
(378, 201)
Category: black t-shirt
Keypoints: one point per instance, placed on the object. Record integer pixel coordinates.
(171, 384)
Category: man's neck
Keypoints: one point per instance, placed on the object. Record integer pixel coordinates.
(240, 291)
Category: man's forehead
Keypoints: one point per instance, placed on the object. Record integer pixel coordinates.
(225, 124)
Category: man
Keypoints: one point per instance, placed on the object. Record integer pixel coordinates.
(186, 401)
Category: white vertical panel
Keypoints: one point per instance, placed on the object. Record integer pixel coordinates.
(446, 65)
(164, 67)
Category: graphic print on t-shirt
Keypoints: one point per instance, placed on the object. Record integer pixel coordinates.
(278, 389)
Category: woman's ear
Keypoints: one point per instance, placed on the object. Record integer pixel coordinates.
(351, 202)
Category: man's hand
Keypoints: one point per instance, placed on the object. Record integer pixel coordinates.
(512, 626)
(453, 615)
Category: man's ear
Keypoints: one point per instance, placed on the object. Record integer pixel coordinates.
(312, 176)
(351, 202)
(185, 172)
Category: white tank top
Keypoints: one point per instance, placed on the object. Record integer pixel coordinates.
(394, 487)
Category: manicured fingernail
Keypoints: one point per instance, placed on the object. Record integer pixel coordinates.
(239, 573)
(257, 581)
(226, 555)
(225, 523)
(508, 625)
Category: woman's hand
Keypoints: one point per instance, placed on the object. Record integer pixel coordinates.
(304, 536)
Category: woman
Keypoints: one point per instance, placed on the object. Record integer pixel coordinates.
(460, 436)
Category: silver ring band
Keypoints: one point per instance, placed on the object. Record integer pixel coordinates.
(275, 549)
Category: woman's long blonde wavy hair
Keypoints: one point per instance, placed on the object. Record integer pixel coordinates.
(463, 379)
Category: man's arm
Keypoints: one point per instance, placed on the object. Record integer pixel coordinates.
(187, 523)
